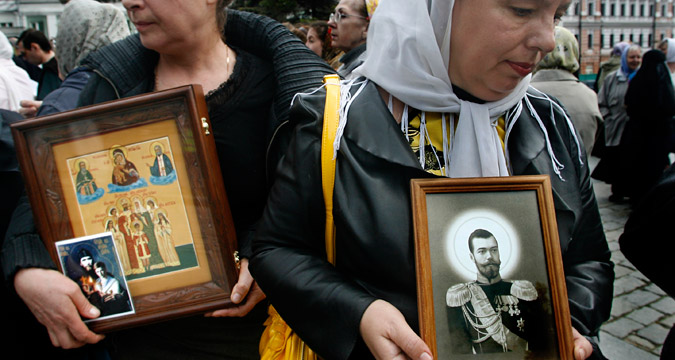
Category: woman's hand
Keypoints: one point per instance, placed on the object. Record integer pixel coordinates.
(389, 336)
(57, 302)
(245, 286)
(582, 347)
(29, 108)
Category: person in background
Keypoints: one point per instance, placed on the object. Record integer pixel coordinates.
(611, 65)
(249, 67)
(296, 31)
(646, 235)
(84, 27)
(611, 104)
(667, 46)
(32, 70)
(318, 40)
(37, 50)
(650, 104)
(555, 76)
(349, 31)
(15, 84)
(469, 84)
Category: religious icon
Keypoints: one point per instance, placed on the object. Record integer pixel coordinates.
(161, 171)
(85, 184)
(125, 176)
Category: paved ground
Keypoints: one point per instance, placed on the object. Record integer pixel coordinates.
(642, 314)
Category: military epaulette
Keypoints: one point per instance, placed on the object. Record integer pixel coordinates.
(524, 290)
(458, 295)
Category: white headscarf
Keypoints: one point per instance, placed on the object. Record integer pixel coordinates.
(670, 54)
(15, 84)
(408, 56)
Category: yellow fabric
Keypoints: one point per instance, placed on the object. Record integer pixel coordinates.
(330, 125)
(278, 341)
(435, 133)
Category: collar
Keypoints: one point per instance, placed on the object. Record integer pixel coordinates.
(353, 54)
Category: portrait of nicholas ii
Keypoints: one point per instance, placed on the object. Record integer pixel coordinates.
(490, 314)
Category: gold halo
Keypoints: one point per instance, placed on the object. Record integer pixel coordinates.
(145, 201)
(110, 208)
(77, 162)
(133, 224)
(152, 148)
(116, 147)
(120, 202)
(106, 220)
(134, 199)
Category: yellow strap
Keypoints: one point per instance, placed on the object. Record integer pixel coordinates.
(330, 125)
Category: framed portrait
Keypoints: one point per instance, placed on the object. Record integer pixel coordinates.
(490, 281)
(146, 170)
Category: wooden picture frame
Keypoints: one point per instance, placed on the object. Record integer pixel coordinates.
(525, 314)
(146, 168)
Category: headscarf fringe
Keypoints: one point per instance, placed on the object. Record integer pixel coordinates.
(570, 124)
(346, 101)
(557, 165)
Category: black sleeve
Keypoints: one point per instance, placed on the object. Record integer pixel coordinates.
(289, 257)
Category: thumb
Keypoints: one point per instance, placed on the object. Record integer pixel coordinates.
(84, 307)
(411, 343)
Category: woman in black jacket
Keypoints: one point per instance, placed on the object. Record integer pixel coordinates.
(417, 78)
(249, 70)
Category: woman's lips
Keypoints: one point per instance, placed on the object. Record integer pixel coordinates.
(142, 25)
(523, 69)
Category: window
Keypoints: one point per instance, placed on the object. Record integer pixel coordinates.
(611, 40)
(632, 10)
(590, 41)
(576, 8)
(603, 9)
(640, 39)
(630, 37)
(602, 40)
(591, 8)
(612, 9)
(649, 40)
(642, 10)
(621, 37)
(623, 9)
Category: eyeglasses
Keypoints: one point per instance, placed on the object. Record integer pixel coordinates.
(338, 16)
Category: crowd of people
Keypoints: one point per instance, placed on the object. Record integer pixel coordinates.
(429, 89)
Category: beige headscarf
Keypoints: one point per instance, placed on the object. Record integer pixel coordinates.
(86, 26)
(566, 53)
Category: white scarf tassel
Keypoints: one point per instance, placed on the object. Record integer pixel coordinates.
(557, 165)
(570, 124)
(423, 138)
(346, 100)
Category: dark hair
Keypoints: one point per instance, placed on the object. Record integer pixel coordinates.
(478, 233)
(221, 16)
(327, 51)
(31, 36)
(82, 253)
(100, 264)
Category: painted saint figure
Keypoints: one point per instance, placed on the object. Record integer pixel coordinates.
(84, 182)
(141, 245)
(162, 165)
(124, 226)
(124, 171)
(118, 237)
(164, 237)
(490, 315)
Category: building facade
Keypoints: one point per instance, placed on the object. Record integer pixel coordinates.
(600, 24)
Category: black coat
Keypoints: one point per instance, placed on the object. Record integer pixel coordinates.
(372, 211)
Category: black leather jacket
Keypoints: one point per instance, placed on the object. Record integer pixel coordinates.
(372, 211)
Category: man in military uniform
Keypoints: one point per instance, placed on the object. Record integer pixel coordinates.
(489, 315)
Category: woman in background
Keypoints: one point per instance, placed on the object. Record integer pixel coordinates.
(611, 104)
(318, 40)
(15, 84)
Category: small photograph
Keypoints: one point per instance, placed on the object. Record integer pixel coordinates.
(92, 262)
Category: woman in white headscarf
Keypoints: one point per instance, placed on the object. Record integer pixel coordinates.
(15, 84)
(485, 122)
(667, 46)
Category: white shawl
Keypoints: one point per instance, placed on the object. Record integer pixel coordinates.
(408, 56)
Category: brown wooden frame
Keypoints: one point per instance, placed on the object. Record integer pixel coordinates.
(35, 139)
(541, 184)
